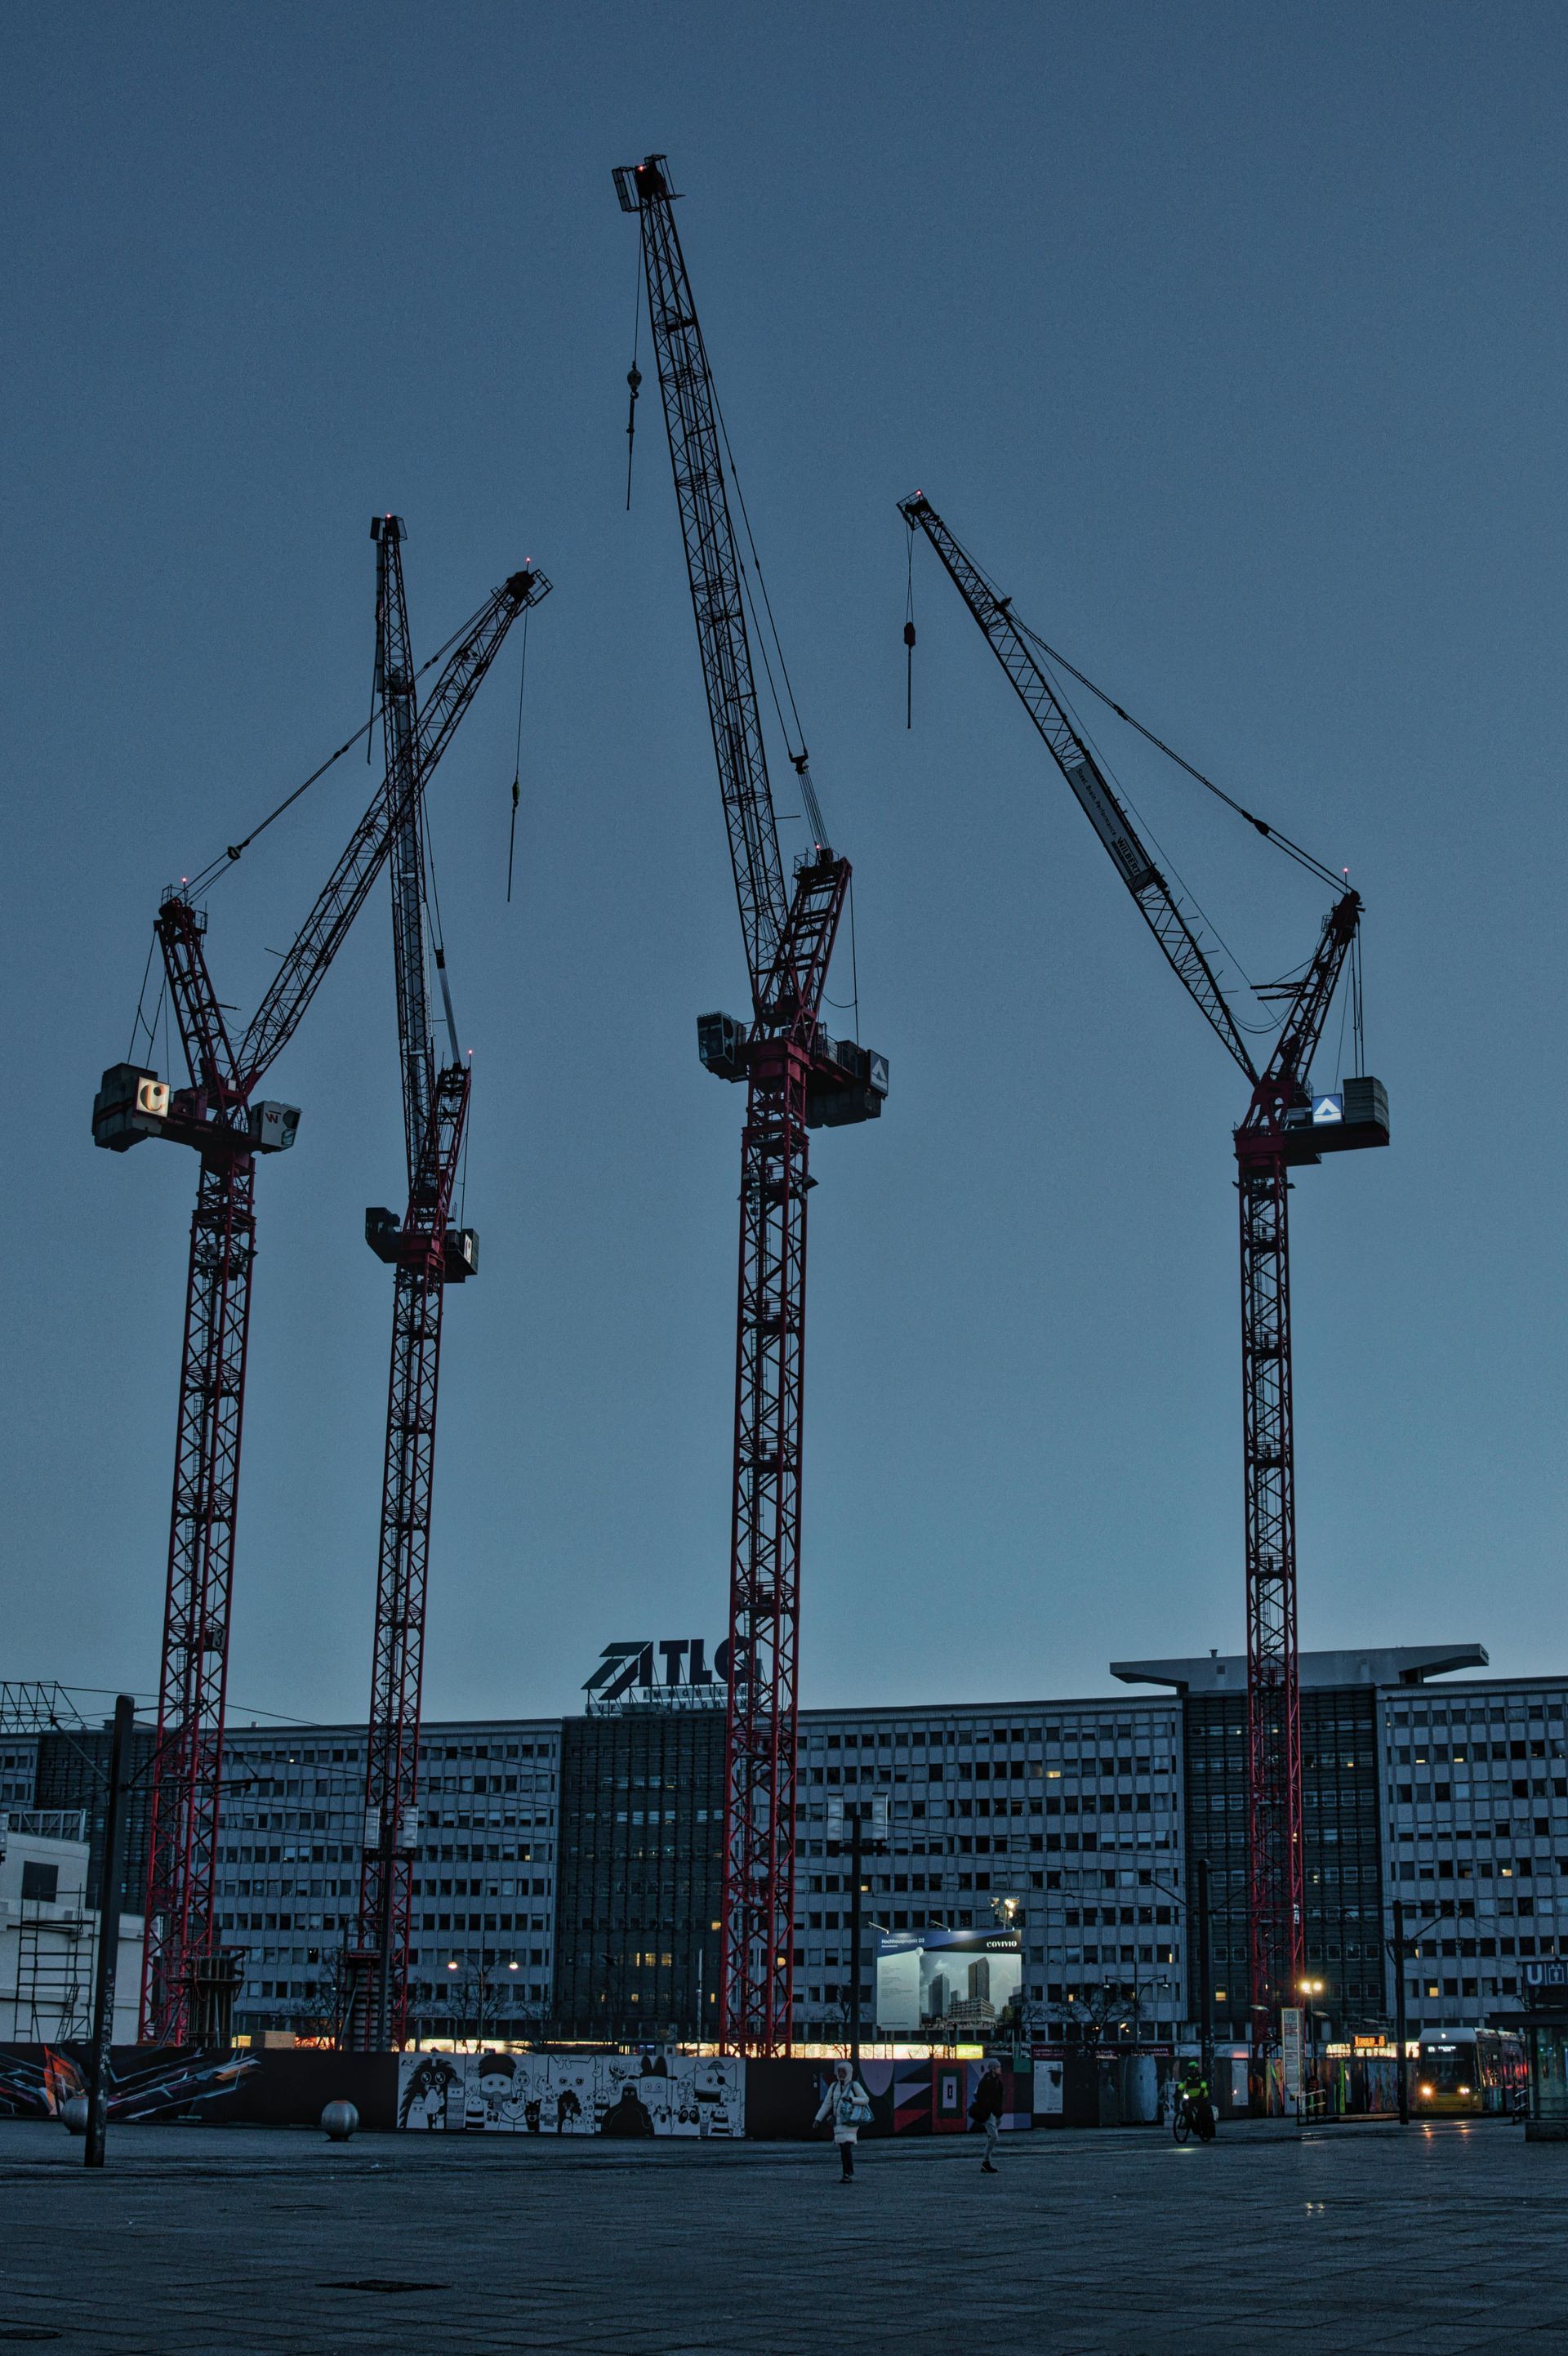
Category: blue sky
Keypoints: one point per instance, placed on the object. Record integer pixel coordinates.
(1229, 339)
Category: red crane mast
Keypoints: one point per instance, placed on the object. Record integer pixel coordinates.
(188, 1978)
(425, 1255)
(797, 1079)
(1284, 1129)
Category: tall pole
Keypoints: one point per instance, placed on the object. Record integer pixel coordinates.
(1206, 1982)
(856, 1842)
(1402, 2065)
(112, 1871)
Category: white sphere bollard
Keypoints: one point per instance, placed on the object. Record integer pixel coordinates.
(340, 2119)
(73, 2111)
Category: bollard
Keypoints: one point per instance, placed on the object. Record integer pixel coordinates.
(73, 2111)
(340, 2119)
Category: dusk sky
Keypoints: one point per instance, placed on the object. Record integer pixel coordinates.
(1231, 341)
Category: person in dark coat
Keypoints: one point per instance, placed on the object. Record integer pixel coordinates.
(986, 2112)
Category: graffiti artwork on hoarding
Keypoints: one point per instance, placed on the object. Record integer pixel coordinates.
(145, 2082)
(951, 1986)
(572, 2093)
(921, 2096)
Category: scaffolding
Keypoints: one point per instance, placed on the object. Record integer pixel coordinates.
(33, 1705)
(54, 1956)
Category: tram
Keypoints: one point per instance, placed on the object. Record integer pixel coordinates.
(1468, 2072)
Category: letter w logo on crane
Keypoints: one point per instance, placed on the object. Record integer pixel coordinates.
(621, 1666)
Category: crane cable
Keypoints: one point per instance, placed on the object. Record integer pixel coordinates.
(799, 762)
(431, 897)
(517, 763)
(1184, 892)
(633, 378)
(910, 625)
(1292, 850)
(216, 867)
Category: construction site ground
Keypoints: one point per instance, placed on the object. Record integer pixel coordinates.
(216, 2241)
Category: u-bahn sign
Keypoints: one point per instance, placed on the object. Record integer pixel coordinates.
(671, 1664)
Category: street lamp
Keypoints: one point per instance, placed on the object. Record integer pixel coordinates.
(1307, 1989)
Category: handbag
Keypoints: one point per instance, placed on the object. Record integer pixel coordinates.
(853, 2110)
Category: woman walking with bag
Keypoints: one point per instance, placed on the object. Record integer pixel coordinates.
(848, 2105)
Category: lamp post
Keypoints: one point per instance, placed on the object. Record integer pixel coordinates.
(867, 1824)
(1399, 1946)
(1399, 2027)
(856, 1848)
(1206, 1981)
(111, 1873)
(1307, 1989)
(1006, 1911)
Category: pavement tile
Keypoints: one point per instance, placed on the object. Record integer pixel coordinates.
(1109, 2244)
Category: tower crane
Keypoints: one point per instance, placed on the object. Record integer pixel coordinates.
(188, 1979)
(427, 1255)
(797, 1078)
(1285, 1126)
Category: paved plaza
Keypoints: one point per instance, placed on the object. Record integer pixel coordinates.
(243, 2241)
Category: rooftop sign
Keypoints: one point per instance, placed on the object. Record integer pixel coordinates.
(657, 1671)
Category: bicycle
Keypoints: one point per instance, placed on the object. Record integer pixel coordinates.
(1187, 2120)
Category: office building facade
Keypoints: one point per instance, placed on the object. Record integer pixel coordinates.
(569, 1875)
(1062, 1819)
(1476, 1812)
(484, 1878)
(641, 1873)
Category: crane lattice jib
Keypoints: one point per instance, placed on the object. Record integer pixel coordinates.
(714, 569)
(204, 1035)
(791, 994)
(1157, 903)
(1290, 1064)
(405, 806)
(296, 982)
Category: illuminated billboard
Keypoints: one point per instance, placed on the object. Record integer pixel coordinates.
(954, 1986)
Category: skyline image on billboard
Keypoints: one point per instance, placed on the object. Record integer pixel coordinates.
(949, 1985)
